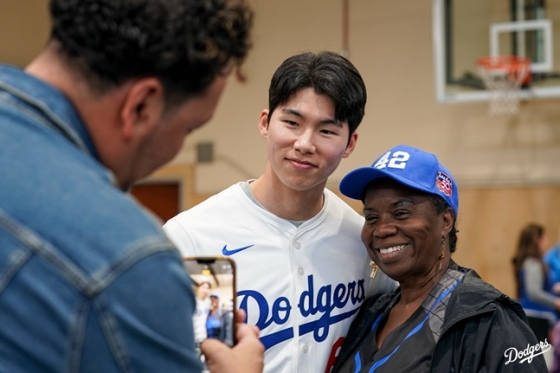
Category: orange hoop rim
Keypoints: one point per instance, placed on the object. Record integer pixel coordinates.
(509, 63)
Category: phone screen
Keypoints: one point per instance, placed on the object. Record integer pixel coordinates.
(213, 281)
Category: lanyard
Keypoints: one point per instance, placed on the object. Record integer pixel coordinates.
(382, 361)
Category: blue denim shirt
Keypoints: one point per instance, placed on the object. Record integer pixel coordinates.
(88, 280)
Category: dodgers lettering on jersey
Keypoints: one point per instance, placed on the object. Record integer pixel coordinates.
(324, 301)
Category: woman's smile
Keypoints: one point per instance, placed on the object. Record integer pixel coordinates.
(390, 252)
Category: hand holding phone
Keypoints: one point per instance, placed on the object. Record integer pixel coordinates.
(246, 357)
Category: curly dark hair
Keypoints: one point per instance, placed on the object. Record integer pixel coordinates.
(327, 73)
(183, 43)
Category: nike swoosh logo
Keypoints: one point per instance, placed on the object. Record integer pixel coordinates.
(227, 252)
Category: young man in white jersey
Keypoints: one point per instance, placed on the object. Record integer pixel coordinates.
(302, 269)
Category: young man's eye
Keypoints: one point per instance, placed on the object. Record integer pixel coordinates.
(291, 122)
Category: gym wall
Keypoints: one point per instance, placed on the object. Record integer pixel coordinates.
(506, 168)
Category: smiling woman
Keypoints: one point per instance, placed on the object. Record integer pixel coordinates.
(443, 317)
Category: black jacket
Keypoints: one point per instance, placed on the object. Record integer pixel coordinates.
(480, 325)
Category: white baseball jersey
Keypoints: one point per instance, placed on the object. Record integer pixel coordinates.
(302, 286)
(199, 319)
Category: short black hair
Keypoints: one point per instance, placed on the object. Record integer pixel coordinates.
(327, 73)
(183, 43)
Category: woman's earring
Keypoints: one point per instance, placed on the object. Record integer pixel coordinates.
(374, 269)
(441, 259)
(442, 253)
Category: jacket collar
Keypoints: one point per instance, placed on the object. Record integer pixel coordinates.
(55, 110)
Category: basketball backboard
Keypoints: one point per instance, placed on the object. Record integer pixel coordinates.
(466, 30)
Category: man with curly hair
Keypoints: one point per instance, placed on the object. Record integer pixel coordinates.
(89, 282)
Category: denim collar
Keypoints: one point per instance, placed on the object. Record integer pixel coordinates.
(49, 103)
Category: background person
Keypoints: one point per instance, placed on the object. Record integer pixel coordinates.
(89, 282)
(287, 233)
(552, 259)
(555, 336)
(219, 321)
(533, 282)
(443, 317)
(201, 311)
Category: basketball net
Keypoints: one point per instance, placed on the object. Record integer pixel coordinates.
(503, 77)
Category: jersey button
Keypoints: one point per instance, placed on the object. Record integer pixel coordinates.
(297, 245)
(300, 271)
(305, 349)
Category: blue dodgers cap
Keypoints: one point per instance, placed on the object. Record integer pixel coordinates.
(409, 166)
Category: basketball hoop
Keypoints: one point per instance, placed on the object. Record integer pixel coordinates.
(504, 76)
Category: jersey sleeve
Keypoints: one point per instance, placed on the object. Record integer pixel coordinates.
(180, 238)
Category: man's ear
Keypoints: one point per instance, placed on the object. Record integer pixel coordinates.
(263, 123)
(351, 144)
(142, 108)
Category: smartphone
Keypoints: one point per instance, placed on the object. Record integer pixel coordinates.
(213, 280)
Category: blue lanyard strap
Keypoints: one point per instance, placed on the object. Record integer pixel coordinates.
(383, 360)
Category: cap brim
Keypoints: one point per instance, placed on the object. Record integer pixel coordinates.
(354, 184)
